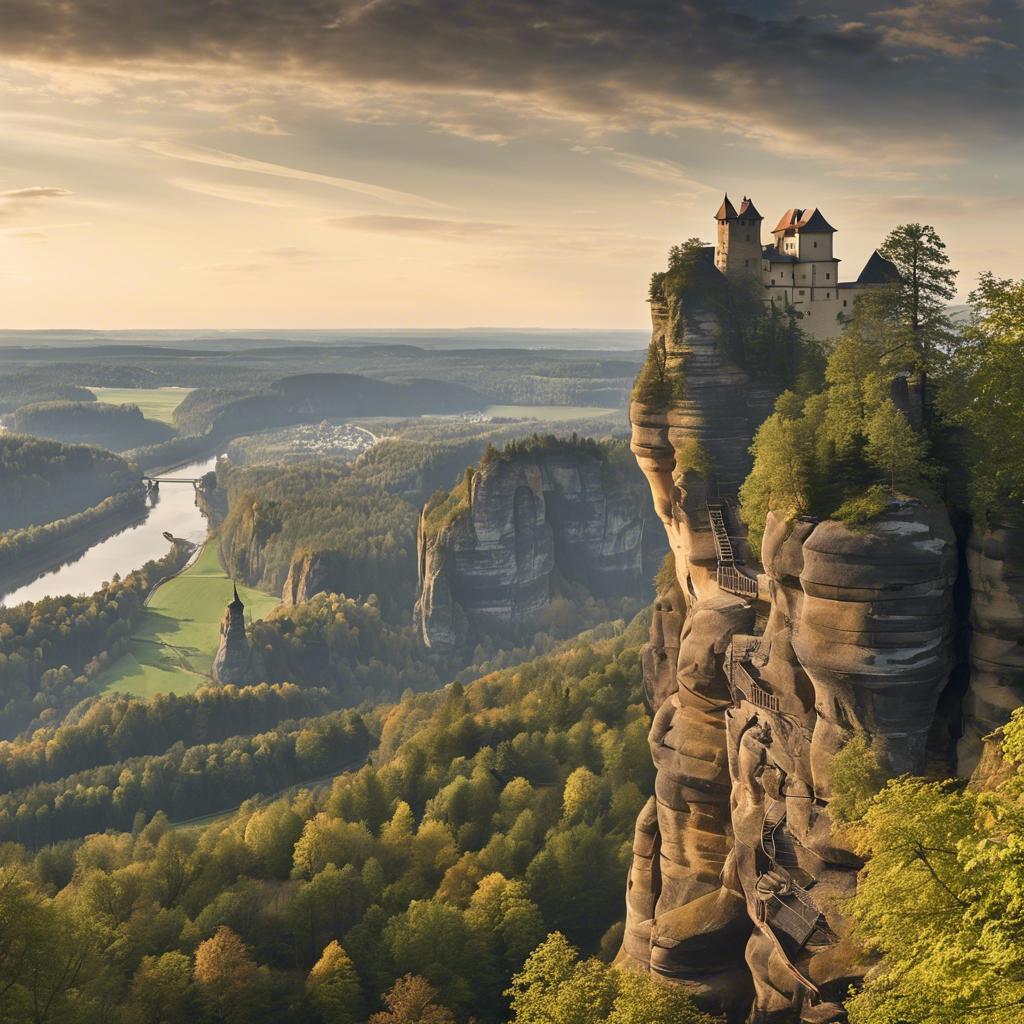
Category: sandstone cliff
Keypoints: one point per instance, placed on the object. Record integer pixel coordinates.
(234, 662)
(738, 874)
(995, 560)
(492, 553)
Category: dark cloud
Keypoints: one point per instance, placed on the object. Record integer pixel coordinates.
(839, 79)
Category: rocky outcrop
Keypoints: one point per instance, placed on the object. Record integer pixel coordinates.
(233, 660)
(738, 874)
(310, 573)
(491, 557)
(995, 561)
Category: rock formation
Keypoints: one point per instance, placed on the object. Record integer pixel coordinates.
(995, 561)
(738, 875)
(489, 557)
(233, 660)
(309, 573)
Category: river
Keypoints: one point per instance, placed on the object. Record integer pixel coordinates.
(174, 511)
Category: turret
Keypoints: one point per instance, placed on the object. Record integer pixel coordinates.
(738, 249)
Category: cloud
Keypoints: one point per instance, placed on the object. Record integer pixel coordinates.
(259, 124)
(883, 87)
(34, 192)
(276, 260)
(235, 162)
(510, 241)
(663, 171)
(16, 200)
(424, 227)
(236, 193)
(955, 28)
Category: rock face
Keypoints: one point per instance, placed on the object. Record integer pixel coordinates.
(995, 560)
(737, 870)
(532, 517)
(309, 573)
(233, 661)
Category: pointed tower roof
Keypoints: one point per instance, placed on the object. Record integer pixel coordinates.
(748, 209)
(726, 211)
(878, 270)
(814, 223)
(236, 601)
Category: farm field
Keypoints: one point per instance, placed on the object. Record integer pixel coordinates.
(155, 403)
(173, 649)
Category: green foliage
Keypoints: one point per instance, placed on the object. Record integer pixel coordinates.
(982, 394)
(495, 812)
(363, 541)
(110, 515)
(656, 385)
(347, 648)
(52, 651)
(893, 446)
(114, 727)
(666, 573)
(825, 454)
(444, 509)
(183, 782)
(556, 987)
(45, 480)
(112, 426)
(333, 987)
(857, 775)
(860, 509)
(782, 474)
(939, 900)
(692, 456)
(927, 284)
(766, 341)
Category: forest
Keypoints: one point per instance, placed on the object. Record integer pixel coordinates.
(372, 833)
(493, 814)
(45, 480)
(117, 427)
(51, 651)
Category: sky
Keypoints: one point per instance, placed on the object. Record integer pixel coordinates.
(455, 163)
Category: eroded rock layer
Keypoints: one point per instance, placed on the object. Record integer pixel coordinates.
(995, 560)
(737, 871)
(532, 518)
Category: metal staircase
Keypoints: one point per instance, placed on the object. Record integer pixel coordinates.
(728, 576)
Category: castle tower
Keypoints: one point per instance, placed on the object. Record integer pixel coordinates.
(738, 249)
(232, 661)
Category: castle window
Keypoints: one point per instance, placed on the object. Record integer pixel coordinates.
(800, 292)
(815, 245)
(844, 302)
(746, 263)
(827, 275)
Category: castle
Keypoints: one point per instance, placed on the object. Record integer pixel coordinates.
(798, 267)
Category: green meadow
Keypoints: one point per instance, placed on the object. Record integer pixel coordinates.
(172, 650)
(155, 403)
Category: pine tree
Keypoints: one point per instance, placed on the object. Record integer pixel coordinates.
(926, 286)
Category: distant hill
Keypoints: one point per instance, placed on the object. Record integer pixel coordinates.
(467, 337)
(117, 427)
